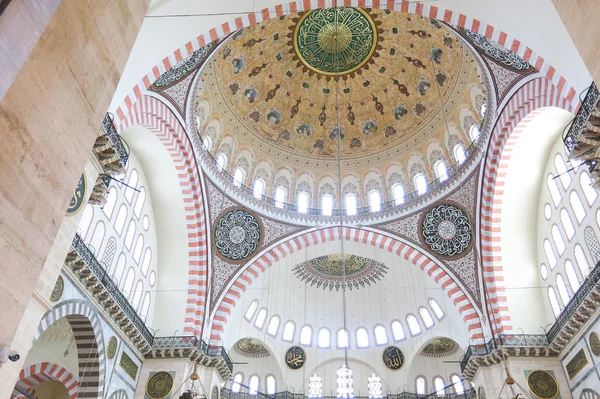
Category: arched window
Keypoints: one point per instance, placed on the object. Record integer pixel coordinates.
(398, 331)
(85, 221)
(426, 317)
(375, 201)
(207, 142)
(374, 386)
(547, 211)
(109, 253)
(459, 388)
(259, 188)
(221, 160)
(543, 271)
(561, 170)
(327, 205)
(554, 192)
(571, 276)
(119, 269)
(350, 204)
(288, 331)
(420, 183)
(111, 201)
(588, 190)
(549, 254)
(483, 110)
(237, 380)
(553, 301)
(324, 340)
(97, 238)
(558, 240)
(439, 386)
(120, 219)
(380, 335)
(253, 384)
(420, 386)
(343, 339)
(459, 153)
(130, 234)
(132, 182)
(581, 259)
(238, 177)
(260, 318)
(562, 289)
(577, 206)
(273, 326)
(437, 310)
(280, 197)
(441, 171)
(250, 311)
(315, 387)
(271, 386)
(137, 251)
(145, 307)
(128, 283)
(302, 202)
(398, 192)
(567, 224)
(137, 294)
(413, 325)
(474, 132)
(306, 335)
(362, 338)
(146, 261)
(152, 278)
(139, 202)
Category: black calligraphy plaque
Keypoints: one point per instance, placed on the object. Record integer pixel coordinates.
(295, 357)
(393, 358)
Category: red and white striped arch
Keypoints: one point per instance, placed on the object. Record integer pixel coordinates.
(448, 16)
(38, 373)
(160, 119)
(279, 251)
(525, 104)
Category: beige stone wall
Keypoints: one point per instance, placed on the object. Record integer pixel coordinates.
(581, 20)
(49, 119)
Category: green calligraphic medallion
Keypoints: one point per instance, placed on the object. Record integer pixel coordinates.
(393, 358)
(58, 290)
(542, 384)
(159, 385)
(111, 348)
(335, 40)
(295, 357)
(595, 343)
(78, 197)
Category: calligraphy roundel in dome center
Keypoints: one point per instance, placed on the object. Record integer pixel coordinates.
(446, 230)
(335, 40)
(237, 235)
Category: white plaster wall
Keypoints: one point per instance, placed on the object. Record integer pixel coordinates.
(170, 24)
(524, 182)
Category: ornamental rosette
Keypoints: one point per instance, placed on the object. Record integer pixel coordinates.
(446, 230)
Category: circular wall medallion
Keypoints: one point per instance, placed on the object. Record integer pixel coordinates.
(215, 392)
(111, 348)
(542, 384)
(393, 358)
(335, 40)
(159, 385)
(295, 357)
(59, 288)
(78, 197)
(446, 230)
(237, 235)
(595, 343)
(481, 393)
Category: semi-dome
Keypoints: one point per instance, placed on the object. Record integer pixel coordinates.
(396, 91)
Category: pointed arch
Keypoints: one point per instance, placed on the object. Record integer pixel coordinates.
(37, 373)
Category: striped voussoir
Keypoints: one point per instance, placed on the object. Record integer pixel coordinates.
(524, 105)
(160, 119)
(351, 234)
(87, 331)
(119, 394)
(38, 373)
(412, 7)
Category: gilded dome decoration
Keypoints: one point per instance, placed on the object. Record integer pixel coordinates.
(439, 347)
(251, 347)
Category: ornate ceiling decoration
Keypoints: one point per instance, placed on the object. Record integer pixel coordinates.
(542, 384)
(446, 230)
(327, 271)
(439, 347)
(251, 347)
(237, 235)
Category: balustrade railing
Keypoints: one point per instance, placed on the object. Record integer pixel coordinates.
(539, 340)
(115, 139)
(228, 394)
(88, 257)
